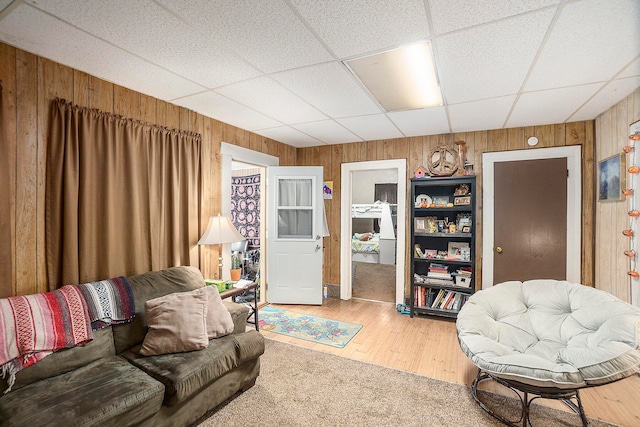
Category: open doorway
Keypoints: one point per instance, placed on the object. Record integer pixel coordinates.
(374, 195)
(391, 238)
(247, 206)
(238, 158)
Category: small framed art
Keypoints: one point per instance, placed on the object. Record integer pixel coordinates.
(440, 201)
(455, 249)
(460, 201)
(612, 178)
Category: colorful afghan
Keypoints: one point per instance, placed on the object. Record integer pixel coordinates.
(108, 302)
(34, 326)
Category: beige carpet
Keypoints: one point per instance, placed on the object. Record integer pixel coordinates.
(375, 282)
(302, 387)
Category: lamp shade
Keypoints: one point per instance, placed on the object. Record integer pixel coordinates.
(220, 230)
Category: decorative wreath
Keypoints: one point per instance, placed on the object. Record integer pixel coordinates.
(443, 161)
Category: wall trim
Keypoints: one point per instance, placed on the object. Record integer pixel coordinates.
(574, 204)
(347, 170)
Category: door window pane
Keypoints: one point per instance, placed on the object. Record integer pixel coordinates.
(295, 210)
(295, 224)
(295, 192)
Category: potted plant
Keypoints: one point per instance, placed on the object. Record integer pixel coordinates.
(236, 272)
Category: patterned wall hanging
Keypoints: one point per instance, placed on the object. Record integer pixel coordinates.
(245, 207)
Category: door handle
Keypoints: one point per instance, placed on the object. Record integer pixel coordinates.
(317, 247)
(499, 249)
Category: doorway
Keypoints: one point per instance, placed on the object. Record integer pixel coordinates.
(242, 157)
(562, 228)
(247, 206)
(349, 180)
(373, 260)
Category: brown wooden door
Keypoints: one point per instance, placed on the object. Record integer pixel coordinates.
(530, 220)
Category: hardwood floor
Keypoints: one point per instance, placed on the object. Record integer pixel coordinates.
(428, 346)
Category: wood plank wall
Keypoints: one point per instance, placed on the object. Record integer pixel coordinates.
(30, 83)
(416, 151)
(612, 133)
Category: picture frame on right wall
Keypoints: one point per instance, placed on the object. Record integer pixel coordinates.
(612, 178)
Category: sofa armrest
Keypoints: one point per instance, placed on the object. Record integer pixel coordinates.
(239, 313)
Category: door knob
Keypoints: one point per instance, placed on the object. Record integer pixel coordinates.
(499, 249)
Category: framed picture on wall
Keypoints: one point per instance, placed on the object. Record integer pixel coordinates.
(612, 178)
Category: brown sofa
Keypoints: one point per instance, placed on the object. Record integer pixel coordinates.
(108, 382)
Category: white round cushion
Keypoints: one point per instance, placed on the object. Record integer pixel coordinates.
(549, 333)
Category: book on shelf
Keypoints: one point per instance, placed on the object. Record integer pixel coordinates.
(455, 304)
(438, 299)
(437, 281)
(439, 276)
(447, 299)
(438, 271)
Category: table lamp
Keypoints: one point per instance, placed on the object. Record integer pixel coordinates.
(220, 230)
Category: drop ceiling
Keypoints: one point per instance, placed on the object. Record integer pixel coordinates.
(275, 67)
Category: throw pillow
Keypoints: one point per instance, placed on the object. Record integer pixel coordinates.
(177, 323)
(219, 321)
(366, 237)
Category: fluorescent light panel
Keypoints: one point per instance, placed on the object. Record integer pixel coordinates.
(400, 79)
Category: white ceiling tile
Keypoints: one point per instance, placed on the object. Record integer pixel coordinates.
(212, 104)
(4, 3)
(608, 96)
(290, 136)
(428, 121)
(46, 36)
(372, 127)
(149, 31)
(631, 70)
(327, 131)
(330, 88)
(211, 56)
(491, 60)
(590, 42)
(359, 26)
(268, 35)
(480, 115)
(269, 98)
(450, 15)
(545, 107)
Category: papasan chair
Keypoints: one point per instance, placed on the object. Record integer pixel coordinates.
(550, 339)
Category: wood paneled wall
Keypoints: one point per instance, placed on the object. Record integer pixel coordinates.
(416, 151)
(30, 83)
(612, 133)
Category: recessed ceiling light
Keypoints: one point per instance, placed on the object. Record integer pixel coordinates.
(400, 79)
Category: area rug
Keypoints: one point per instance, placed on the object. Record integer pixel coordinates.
(302, 387)
(305, 327)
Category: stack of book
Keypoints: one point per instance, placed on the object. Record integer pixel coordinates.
(439, 274)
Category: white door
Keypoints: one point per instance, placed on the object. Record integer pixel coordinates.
(294, 235)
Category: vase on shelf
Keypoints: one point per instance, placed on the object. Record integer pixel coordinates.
(235, 271)
(235, 274)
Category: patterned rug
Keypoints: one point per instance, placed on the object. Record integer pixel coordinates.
(310, 328)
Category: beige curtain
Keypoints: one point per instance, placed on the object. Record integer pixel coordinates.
(122, 197)
(6, 185)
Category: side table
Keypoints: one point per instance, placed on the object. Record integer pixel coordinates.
(253, 307)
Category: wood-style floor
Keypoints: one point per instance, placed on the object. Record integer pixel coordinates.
(428, 346)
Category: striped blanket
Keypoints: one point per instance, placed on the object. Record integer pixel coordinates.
(108, 302)
(34, 326)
